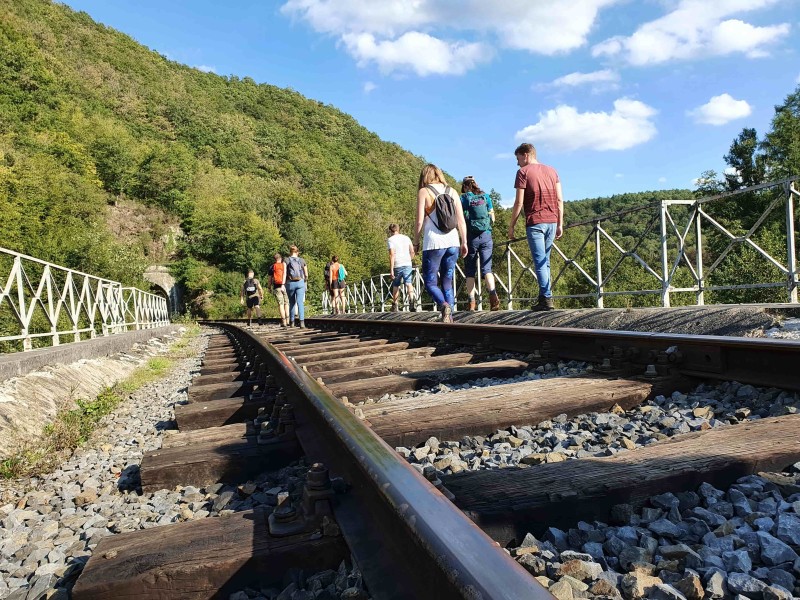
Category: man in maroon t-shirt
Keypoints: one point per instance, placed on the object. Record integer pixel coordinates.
(539, 193)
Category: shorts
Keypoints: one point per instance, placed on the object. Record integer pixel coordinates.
(337, 285)
(253, 301)
(482, 246)
(280, 295)
(402, 275)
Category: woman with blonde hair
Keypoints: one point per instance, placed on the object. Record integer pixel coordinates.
(440, 220)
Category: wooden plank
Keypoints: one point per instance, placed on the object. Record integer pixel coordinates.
(219, 391)
(449, 416)
(351, 352)
(281, 344)
(299, 336)
(227, 461)
(221, 353)
(315, 349)
(376, 387)
(207, 558)
(412, 364)
(228, 377)
(383, 358)
(216, 413)
(221, 368)
(509, 503)
(235, 432)
(222, 363)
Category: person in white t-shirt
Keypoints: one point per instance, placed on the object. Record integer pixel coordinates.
(401, 253)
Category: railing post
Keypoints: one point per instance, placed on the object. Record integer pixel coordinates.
(698, 234)
(27, 342)
(665, 283)
(598, 266)
(790, 244)
(510, 303)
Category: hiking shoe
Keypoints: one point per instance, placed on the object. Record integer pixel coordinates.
(544, 304)
(473, 305)
(494, 302)
(394, 307)
(447, 313)
(302, 324)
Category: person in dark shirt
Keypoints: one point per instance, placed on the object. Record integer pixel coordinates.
(251, 295)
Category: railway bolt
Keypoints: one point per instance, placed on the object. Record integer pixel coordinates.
(286, 422)
(631, 353)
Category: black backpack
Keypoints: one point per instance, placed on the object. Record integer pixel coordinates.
(445, 208)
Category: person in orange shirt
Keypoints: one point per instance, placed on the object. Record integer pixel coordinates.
(277, 274)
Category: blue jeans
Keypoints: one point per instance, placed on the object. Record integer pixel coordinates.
(438, 267)
(297, 297)
(540, 240)
(479, 246)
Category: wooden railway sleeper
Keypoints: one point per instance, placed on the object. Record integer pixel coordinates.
(312, 512)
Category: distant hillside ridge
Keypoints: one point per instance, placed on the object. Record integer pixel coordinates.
(92, 119)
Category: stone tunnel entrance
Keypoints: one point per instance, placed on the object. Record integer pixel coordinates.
(164, 284)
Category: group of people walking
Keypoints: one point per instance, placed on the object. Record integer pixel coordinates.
(451, 226)
(288, 282)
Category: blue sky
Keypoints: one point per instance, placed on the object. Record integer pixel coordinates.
(618, 95)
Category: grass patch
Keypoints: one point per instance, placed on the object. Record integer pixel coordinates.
(72, 427)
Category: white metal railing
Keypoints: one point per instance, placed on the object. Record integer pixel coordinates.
(680, 229)
(41, 300)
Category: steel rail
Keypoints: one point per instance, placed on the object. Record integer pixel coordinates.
(758, 361)
(408, 540)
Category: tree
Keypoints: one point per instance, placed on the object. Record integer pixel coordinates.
(747, 165)
(781, 145)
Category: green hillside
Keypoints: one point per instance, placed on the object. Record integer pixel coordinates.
(95, 127)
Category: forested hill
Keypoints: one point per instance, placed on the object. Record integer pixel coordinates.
(108, 150)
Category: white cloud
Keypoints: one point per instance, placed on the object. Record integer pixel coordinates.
(564, 128)
(547, 28)
(720, 110)
(662, 180)
(618, 175)
(693, 29)
(503, 155)
(205, 69)
(797, 80)
(419, 52)
(606, 79)
(369, 87)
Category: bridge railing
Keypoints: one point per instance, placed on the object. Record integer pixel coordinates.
(687, 252)
(41, 302)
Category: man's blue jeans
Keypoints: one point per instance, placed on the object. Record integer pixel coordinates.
(540, 241)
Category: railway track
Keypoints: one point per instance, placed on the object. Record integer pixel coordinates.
(344, 393)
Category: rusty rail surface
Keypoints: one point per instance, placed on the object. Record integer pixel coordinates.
(757, 361)
(408, 539)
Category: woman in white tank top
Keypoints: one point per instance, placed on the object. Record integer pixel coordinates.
(440, 249)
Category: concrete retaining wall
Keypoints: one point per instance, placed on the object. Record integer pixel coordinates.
(42, 382)
(20, 363)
